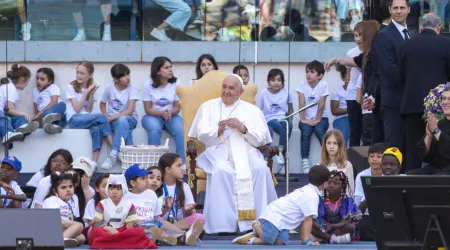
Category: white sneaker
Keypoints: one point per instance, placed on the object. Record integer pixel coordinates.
(279, 159)
(343, 239)
(109, 163)
(305, 166)
(52, 128)
(244, 239)
(106, 36)
(198, 17)
(28, 128)
(69, 243)
(162, 236)
(50, 118)
(81, 36)
(26, 31)
(11, 137)
(193, 233)
(160, 35)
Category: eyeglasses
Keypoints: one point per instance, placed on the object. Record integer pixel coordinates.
(61, 163)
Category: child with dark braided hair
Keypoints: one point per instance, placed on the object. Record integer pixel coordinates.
(338, 213)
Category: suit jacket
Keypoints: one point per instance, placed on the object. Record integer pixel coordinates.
(387, 48)
(424, 64)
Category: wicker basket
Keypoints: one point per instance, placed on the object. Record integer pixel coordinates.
(144, 155)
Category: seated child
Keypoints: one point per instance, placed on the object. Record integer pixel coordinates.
(115, 220)
(337, 212)
(62, 196)
(242, 71)
(179, 204)
(100, 194)
(11, 196)
(391, 162)
(146, 204)
(289, 212)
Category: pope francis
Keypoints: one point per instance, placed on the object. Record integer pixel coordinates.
(239, 183)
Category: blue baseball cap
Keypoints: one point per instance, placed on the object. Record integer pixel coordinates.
(135, 171)
(14, 162)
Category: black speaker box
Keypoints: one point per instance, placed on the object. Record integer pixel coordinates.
(358, 157)
(31, 229)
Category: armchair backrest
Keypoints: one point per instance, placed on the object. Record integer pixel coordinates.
(206, 88)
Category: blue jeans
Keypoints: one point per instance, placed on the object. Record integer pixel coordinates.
(123, 127)
(13, 123)
(155, 125)
(280, 128)
(193, 2)
(270, 233)
(181, 12)
(59, 108)
(306, 132)
(98, 125)
(343, 125)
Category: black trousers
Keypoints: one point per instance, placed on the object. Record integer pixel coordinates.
(365, 229)
(367, 130)
(377, 126)
(414, 131)
(355, 120)
(393, 127)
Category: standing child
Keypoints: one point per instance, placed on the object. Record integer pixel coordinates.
(19, 123)
(47, 102)
(61, 196)
(338, 213)
(314, 119)
(288, 213)
(179, 204)
(115, 221)
(119, 106)
(375, 156)
(334, 156)
(338, 105)
(80, 101)
(242, 71)
(11, 196)
(276, 103)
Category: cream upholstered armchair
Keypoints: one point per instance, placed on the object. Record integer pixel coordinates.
(191, 97)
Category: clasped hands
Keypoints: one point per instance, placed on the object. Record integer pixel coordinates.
(432, 124)
(233, 123)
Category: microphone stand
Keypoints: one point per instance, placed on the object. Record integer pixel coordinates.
(5, 108)
(286, 161)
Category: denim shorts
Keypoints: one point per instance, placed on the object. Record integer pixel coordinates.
(271, 233)
(152, 223)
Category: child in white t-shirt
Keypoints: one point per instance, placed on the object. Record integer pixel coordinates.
(79, 105)
(100, 194)
(119, 106)
(12, 196)
(315, 119)
(243, 72)
(61, 196)
(366, 115)
(161, 105)
(288, 213)
(338, 105)
(48, 104)
(179, 204)
(116, 224)
(276, 103)
(146, 203)
(19, 123)
(334, 157)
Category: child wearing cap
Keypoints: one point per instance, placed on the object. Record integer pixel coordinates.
(11, 196)
(392, 161)
(115, 224)
(147, 208)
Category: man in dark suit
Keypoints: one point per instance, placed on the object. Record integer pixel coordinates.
(387, 48)
(424, 64)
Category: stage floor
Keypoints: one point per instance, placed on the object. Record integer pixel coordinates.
(226, 244)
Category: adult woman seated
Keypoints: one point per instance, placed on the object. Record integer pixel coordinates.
(435, 145)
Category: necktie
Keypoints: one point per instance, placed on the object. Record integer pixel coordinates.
(406, 33)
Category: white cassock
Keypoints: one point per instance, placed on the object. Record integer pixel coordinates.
(223, 206)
